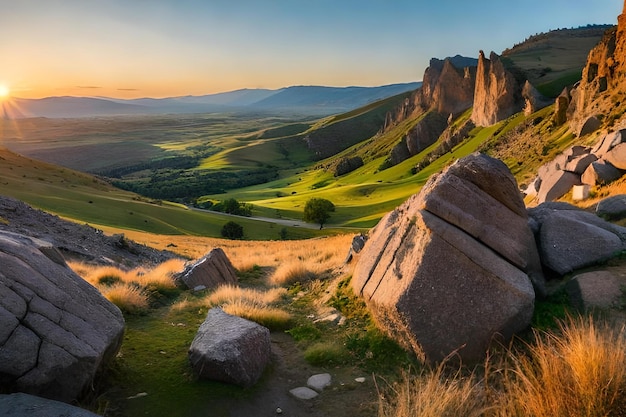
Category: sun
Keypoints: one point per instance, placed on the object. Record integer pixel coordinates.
(4, 92)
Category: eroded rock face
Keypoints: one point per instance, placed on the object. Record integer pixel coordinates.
(497, 94)
(211, 271)
(449, 269)
(602, 77)
(56, 330)
(230, 349)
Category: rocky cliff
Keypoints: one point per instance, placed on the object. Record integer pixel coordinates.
(603, 79)
(497, 94)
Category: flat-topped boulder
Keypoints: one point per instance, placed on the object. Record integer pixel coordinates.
(449, 269)
(56, 330)
(21, 405)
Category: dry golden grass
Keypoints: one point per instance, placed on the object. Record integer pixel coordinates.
(580, 372)
(229, 294)
(128, 298)
(435, 394)
(271, 317)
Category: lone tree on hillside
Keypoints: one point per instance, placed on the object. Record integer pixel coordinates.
(317, 210)
(232, 230)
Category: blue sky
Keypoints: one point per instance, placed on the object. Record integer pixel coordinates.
(157, 48)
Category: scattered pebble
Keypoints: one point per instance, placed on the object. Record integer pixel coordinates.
(279, 410)
(360, 379)
(141, 394)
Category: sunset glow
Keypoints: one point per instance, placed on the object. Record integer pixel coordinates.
(4, 92)
(162, 48)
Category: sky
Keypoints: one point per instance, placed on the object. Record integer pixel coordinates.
(166, 48)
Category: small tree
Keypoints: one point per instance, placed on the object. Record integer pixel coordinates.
(232, 230)
(317, 210)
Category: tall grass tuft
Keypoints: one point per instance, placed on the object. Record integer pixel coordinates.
(579, 372)
(128, 298)
(435, 393)
(294, 271)
(251, 304)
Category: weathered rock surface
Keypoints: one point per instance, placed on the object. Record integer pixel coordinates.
(230, 349)
(602, 77)
(596, 289)
(497, 94)
(56, 329)
(560, 108)
(211, 271)
(612, 208)
(441, 272)
(617, 156)
(533, 99)
(600, 173)
(425, 133)
(20, 405)
(570, 238)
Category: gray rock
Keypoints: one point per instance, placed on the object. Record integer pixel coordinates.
(57, 329)
(358, 242)
(600, 173)
(571, 239)
(607, 142)
(230, 349)
(319, 382)
(617, 156)
(211, 271)
(578, 164)
(20, 404)
(303, 393)
(612, 208)
(596, 289)
(431, 283)
(589, 126)
(555, 184)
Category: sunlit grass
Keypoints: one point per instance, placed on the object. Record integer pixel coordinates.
(578, 370)
(227, 294)
(128, 298)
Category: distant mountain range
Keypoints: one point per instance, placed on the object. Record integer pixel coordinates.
(297, 100)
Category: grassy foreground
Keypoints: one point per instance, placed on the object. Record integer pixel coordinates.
(573, 369)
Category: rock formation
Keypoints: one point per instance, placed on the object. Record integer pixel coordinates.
(211, 271)
(497, 94)
(603, 76)
(533, 99)
(570, 238)
(56, 330)
(20, 405)
(600, 165)
(230, 349)
(560, 108)
(449, 269)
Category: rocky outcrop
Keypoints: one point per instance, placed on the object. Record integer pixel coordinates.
(449, 269)
(56, 330)
(570, 238)
(561, 106)
(497, 94)
(448, 88)
(425, 133)
(533, 99)
(230, 349)
(603, 76)
(347, 165)
(20, 405)
(210, 271)
(612, 208)
(600, 165)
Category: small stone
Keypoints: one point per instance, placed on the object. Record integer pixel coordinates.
(360, 379)
(319, 382)
(279, 410)
(140, 395)
(303, 393)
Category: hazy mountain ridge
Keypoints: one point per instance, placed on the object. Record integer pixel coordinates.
(303, 100)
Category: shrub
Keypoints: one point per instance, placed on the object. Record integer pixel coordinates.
(232, 230)
(128, 298)
(291, 272)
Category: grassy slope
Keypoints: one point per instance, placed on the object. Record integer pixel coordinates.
(84, 198)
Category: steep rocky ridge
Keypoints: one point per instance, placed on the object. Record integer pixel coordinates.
(602, 88)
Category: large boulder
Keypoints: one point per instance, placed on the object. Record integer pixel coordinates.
(20, 405)
(600, 173)
(570, 238)
(230, 349)
(595, 289)
(449, 269)
(211, 271)
(612, 208)
(56, 330)
(617, 156)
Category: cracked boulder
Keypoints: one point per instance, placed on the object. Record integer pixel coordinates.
(56, 330)
(453, 268)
